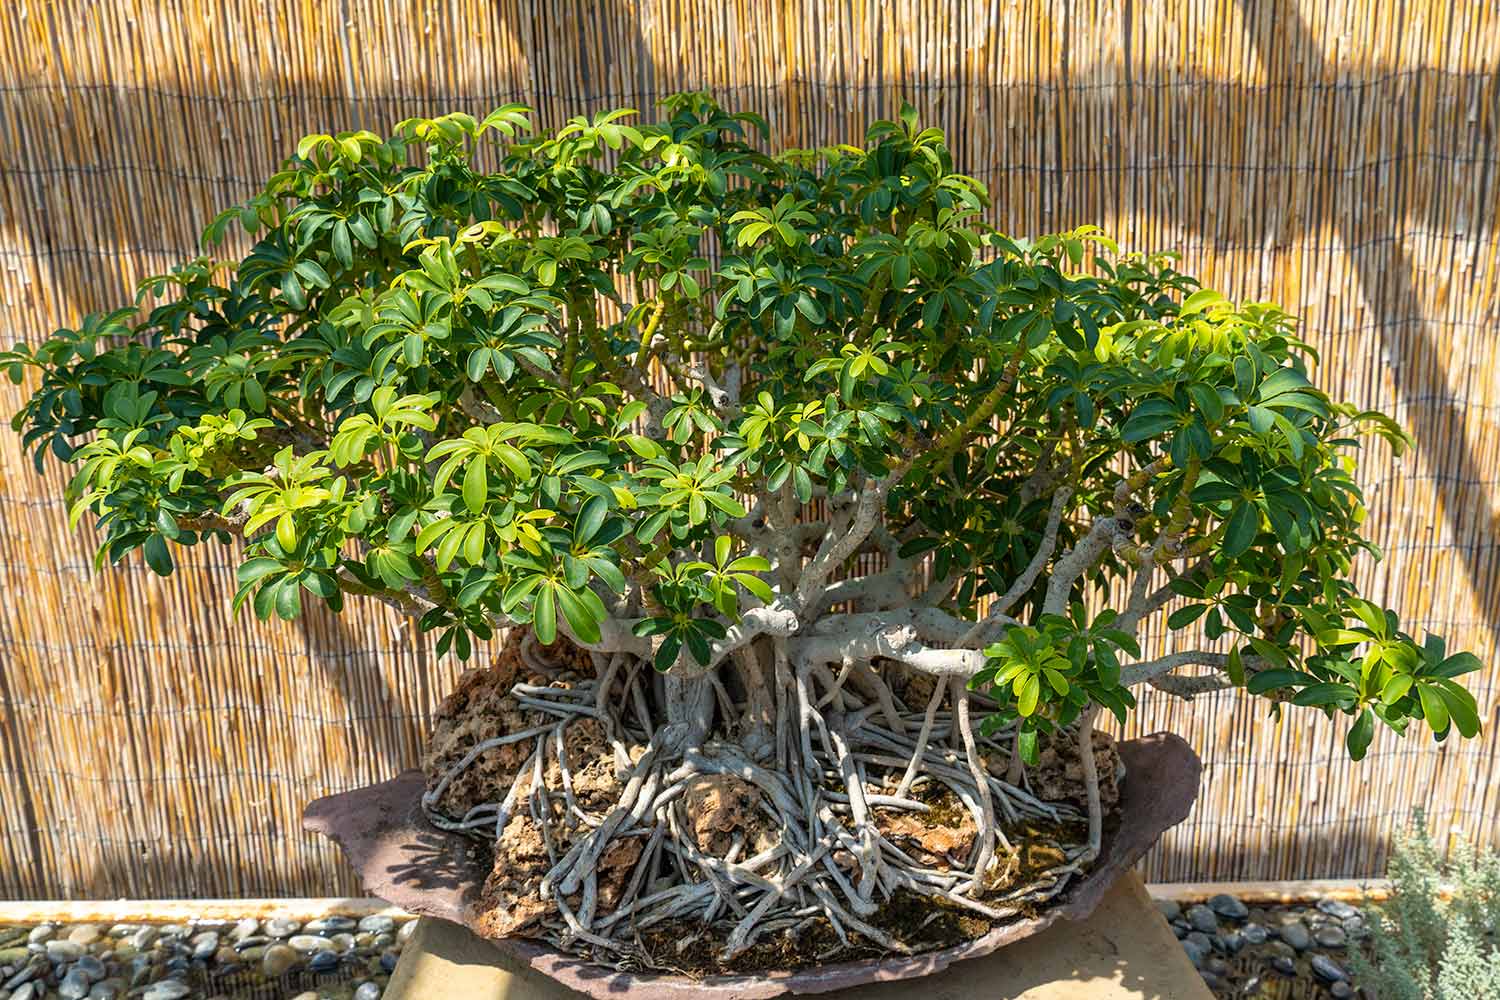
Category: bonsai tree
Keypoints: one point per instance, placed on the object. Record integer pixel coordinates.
(883, 497)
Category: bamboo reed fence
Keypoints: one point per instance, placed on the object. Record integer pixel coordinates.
(1334, 155)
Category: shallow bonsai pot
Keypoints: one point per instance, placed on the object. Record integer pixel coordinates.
(405, 860)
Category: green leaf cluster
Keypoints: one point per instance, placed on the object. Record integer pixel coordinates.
(571, 388)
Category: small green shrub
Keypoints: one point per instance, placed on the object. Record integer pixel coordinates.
(1423, 947)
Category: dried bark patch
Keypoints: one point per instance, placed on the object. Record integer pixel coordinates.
(941, 837)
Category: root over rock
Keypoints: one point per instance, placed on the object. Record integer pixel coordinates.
(719, 806)
(482, 707)
(940, 838)
(617, 845)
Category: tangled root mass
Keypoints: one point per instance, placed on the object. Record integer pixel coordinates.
(615, 845)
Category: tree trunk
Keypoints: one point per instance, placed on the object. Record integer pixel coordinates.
(758, 721)
(690, 710)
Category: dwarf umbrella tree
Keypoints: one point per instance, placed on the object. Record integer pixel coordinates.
(791, 428)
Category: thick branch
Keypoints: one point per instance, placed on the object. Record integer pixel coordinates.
(407, 602)
(1023, 583)
(835, 549)
(901, 635)
(1129, 485)
(950, 442)
(1158, 672)
(1090, 778)
(1078, 561)
(1143, 606)
(1188, 688)
(233, 523)
(724, 401)
(630, 375)
(1139, 673)
(886, 589)
(477, 408)
(616, 635)
(778, 619)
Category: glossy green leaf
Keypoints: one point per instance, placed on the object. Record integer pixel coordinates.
(1360, 734)
(544, 615)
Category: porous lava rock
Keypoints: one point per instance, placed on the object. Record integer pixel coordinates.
(1058, 774)
(482, 707)
(721, 806)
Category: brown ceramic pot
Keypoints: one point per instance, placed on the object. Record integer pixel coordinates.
(404, 859)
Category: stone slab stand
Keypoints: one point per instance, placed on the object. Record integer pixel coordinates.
(1124, 951)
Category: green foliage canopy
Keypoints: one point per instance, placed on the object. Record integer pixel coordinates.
(654, 388)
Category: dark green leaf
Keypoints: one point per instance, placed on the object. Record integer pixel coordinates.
(1267, 680)
(158, 557)
(1244, 525)
(1360, 735)
(544, 615)
(1185, 616)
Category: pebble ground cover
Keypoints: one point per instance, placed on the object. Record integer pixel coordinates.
(331, 958)
(1276, 953)
(1270, 952)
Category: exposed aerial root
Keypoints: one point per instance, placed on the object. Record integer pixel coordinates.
(604, 831)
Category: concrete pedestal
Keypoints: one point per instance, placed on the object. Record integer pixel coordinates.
(1125, 951)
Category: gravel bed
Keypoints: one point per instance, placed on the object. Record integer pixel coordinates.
(1273, 952)
(331, 958)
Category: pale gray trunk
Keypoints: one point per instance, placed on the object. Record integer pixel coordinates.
(690, 710)
(758, 722)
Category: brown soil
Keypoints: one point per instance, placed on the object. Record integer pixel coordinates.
(1034, 851)
(914, 687)
(925, 924)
